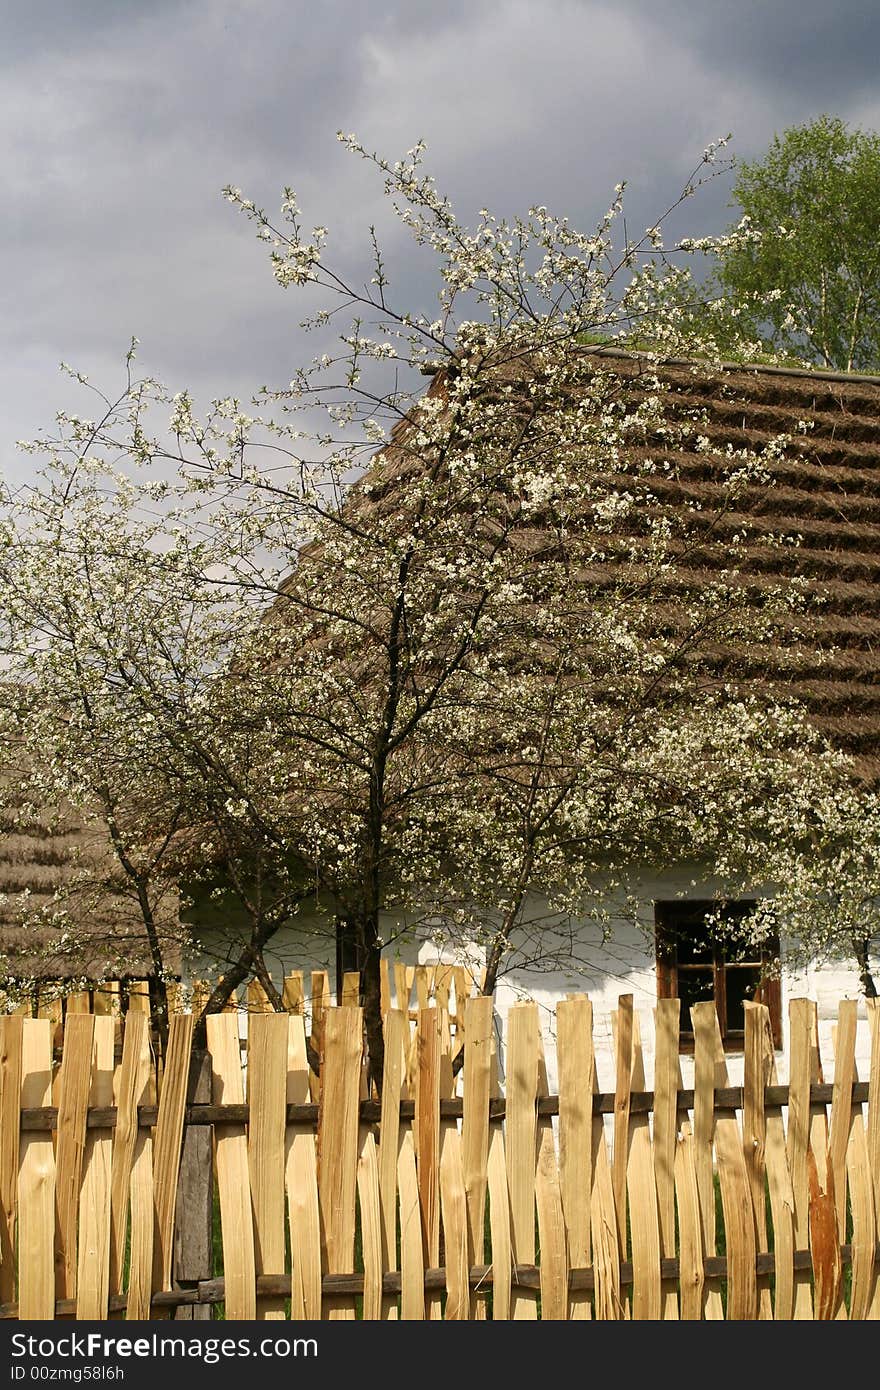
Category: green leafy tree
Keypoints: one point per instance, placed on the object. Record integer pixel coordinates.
(808, 273)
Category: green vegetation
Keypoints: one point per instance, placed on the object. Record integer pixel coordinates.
(807, 273)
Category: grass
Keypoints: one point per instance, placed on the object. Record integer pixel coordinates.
(219, 1312)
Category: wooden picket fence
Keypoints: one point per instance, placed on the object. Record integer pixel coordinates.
(447, 1197)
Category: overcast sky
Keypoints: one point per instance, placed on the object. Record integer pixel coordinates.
(122, 120)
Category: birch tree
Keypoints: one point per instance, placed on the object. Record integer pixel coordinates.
(809, 278)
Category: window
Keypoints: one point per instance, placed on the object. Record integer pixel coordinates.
(348, 955)
(701, 955)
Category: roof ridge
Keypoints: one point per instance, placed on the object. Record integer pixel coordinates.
(763, 368)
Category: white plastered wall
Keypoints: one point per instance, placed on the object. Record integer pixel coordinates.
(625, 964)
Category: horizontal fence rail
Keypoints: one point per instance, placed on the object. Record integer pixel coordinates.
(370, 1111)
(450, 1195)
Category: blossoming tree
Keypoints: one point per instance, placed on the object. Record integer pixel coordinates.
(418, 654)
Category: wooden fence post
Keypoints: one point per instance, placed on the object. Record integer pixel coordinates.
(193, 1226)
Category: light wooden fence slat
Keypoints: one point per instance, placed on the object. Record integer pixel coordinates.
(824, 1244)
(410, 1077)
(267, 1094)
(167, 1141)
(257, 1000)
(201, 993)
(371, 1223)
(10, 1106)
(292, 992)
(453, 1206)
(861, 1193)
(174, 992)
(647, 1302)
(800, 1018)
(402, 985)
(739, 1223)
(622, 1019)
(665, 1131)
(74, 1081)
(843, 1043)
(477, 1017)
(423, 987)
(140, 1258)
(396, 1037)
(427, 1139)
(139, 997)
(412, 1262)
(320, 1002)
(351, 988)
(841, 1105)
(574, 1049)
(736, 1202)
(124, 1139)
(841, 1311)
(338, 1145)
(447, 1077)
(873, 1006)
(106, 998)
(36, 1179)
(690, 1226)
(755, 1077)
(500, 1233)
(93, 1265)
(301, 1180)
(53, 1010)
(521, 1143)
(452, 1193)
(551, 1221)
(687, 1205)
(233, 1177)
(443, 986)
(873, 1136)
(779, 1185)
(462, 982)
(704, 1134)
(607, 1303)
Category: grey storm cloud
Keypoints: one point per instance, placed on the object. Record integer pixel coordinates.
(121, 122)
(828, 53)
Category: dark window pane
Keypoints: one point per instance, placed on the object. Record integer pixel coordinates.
(681, 929)
(695, 947)
(695, 986)
(740, 983)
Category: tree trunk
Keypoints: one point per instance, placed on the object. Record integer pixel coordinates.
(861, 946)
(371, 985)
(238, 972)
(158, 987)
(493, 964)
(265, 979)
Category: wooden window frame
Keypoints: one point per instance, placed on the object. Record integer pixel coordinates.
(769, 991)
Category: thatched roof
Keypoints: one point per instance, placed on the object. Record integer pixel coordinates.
(826, 493)
(824, 496)
(64, 911)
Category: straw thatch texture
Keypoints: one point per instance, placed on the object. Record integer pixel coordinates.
(826, 494)
(65, 912)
